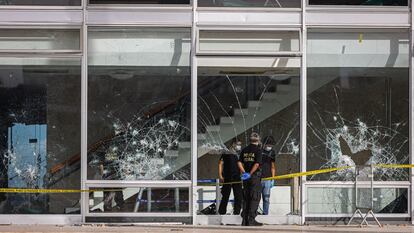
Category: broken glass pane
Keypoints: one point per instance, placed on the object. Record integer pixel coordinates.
(358, 103)
(139, 104)
(40, 133)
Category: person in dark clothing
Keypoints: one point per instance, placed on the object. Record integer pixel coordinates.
(268, 170)
(229, 172)
(249, 165)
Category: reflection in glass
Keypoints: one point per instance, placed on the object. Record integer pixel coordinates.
(139, 1)
(237, 96)
(138, 200)
(358, 103)
(360, 2)
(40, 133)
(242, 41)
(139, 104)
(250, 3)
(42, 2)
(342, 200)
(39, 39)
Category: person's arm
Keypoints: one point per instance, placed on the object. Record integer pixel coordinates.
(220, 170)
(258, 161)
(254, 168)
(241, 167)
(273, 168)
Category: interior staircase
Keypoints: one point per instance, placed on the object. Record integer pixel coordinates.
(242, 119)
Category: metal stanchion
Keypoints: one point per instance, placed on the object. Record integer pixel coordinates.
(218, 195)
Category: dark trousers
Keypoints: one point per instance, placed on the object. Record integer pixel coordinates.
(225, 194)
(251, 198)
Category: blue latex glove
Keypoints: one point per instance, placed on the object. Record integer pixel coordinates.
(245, 176)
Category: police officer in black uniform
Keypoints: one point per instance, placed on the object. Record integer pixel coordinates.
(249, 165)
(229, 173)
(268, 169)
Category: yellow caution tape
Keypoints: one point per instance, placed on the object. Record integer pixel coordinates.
(394, 165)
(280, 177)
(316, 172)
(288, 176)
(308, 173)
(23, 190)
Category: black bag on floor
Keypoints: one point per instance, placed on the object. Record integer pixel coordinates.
(209, 210)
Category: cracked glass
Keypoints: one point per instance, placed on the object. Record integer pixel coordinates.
(358, 102)
(238, 96)
(40, 133)
(139, 104)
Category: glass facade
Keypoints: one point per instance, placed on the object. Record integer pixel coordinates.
(360, 2)
(134, 105)
(239, 96)
(39, 40)
(253, 42)
(342, 200)
(139, 104)
(41, 2)
(358, 102)
(250, 3)
(170, 2)
(40, 132)
(139, 200)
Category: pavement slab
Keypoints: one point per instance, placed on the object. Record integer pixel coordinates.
(201, 229)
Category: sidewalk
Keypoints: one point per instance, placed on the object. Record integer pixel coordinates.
(202, 229)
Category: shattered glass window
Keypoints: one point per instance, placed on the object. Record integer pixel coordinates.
(358, 102)
(139, 104)
(40, 133)
(238, 96)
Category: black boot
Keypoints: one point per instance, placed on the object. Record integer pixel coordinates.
(255, 223)
(245, 221)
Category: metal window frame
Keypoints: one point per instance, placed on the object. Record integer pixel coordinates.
(40, 7)
(377, 184)
(44, 51)
(93, 184)
(359, 6)
(73, 22)
(250, 8)
(303, 114)
(194, 106)
(75, 54)
(86, 183)
(411, 107)
(250, 30)
(126, 5)
(210, 55)
(349, 184)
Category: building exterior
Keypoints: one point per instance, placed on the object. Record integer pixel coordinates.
(137, 100)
